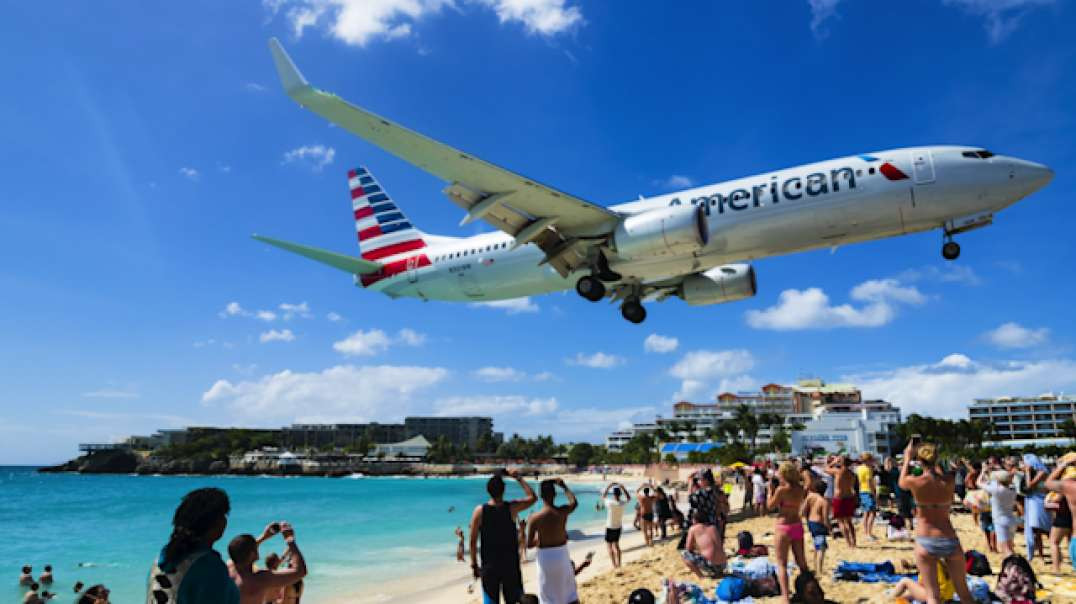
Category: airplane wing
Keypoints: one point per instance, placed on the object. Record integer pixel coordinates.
(355, 266)
(557, 222)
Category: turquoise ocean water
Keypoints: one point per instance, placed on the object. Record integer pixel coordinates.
(354, 532)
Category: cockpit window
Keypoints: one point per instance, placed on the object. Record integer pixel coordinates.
(980, 154)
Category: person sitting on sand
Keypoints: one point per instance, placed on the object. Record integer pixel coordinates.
(935, 538)
(189, 570)
(788, 499)
(816, 509)
(46, 576)
(646, 499)
(614, 518)
(27, 576)
(844, 496)
(704, 552)
(255, 585)
(459, 545)
(548, 532)
(492, 522)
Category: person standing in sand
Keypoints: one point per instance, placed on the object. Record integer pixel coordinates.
(614, 519)
(1063, 482)
(255, 585)
(704, 552)
(816, 509)
(844, 496)
(522, 540)
(868, 493)
(492, 521)
(748, 491)
(548, 531)
(759, 488)
(935, 538)
(189, 570)
(788, 499)
(646, 510)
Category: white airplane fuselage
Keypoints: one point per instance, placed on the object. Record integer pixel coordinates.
(825, 204)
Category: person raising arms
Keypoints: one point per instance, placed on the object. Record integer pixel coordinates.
(255, 585)
(788, 498)
(935, 537)
(614, 518)
(492, 521)
(547, 530)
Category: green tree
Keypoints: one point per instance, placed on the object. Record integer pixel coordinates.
(581, 454)
(747, 423)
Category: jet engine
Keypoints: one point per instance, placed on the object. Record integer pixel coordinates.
(673, 231)
(720, 284)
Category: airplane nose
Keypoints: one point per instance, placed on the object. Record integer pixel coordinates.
(1034, 176)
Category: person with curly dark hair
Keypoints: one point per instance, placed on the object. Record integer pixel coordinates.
(189, 570)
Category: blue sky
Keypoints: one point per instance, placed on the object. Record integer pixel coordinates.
(143, 144)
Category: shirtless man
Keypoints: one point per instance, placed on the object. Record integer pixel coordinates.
(548, 532)
(646, 510)
(27, 576)
(1054, 482)
(844, 496)
(704, 552)
(816, 511)
(46, 577)
(254, 585)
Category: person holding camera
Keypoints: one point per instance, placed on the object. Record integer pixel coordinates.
(547, 530)
(493, 524)
(254, 585)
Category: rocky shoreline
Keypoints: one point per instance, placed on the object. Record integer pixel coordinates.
(126, 462)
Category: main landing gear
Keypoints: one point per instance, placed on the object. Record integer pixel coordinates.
(633, 310)
(590, 288)
(950, 248)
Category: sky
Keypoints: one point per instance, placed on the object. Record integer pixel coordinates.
(142, 144)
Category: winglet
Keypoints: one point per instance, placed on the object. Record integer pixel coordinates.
(290, 78)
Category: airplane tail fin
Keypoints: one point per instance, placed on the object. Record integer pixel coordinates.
(382, 228)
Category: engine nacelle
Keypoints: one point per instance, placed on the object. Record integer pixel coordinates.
(720, 284)
(672, 231)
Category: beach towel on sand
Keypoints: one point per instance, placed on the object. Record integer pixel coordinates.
(556, 577)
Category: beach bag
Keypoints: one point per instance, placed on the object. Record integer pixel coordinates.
(744, 542)
(1016, 580)
(945, 583)
(976, 563)
(980, 591)
(764, 587)
(164, 587)
(731, 589)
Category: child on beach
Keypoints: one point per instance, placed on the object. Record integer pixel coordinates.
(816, 509)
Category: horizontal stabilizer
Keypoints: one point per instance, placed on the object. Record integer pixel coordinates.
(355, 266)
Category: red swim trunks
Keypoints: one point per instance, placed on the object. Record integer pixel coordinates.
(845, 507)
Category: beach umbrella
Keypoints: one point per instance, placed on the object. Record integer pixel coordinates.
(737, 465)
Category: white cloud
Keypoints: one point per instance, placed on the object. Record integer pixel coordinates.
(1014, 335)
(234, 309)
(363, 343)
(660, 344)
(295, 310)
(253, 87)
(223, 168)
(204, 343)
(499, 374)
(494, 405)
(585, 424)
(411, 337)
(710, 364)
(276, 335)
(543, 17)
(315, 156)
(598, 360)
(946, 388)
(359, 22)
(341, 393)
(1002, 16)
(676, 181)
(822, 11)
(189, 173)
(265, 315)
(810, 308)
(946, 273)
(544, 376)
(117, 393)
(512, 307)
(334, 317)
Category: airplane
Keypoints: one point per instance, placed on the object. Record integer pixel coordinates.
(694, 244)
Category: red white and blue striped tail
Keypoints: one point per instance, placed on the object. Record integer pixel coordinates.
(382, 228)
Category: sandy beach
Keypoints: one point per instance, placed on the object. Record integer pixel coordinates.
(649, 566)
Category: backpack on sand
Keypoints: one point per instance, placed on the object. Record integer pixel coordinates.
(976, 564)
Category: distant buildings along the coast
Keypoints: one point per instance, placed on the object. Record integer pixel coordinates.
(1017, 421)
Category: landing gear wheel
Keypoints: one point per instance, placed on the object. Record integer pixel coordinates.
(633, 311)
(951, 250)
(590, 288)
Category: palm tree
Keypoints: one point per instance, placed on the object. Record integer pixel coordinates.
(747, 422)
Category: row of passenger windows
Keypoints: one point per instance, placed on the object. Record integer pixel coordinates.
(477, 250)
(982, 153)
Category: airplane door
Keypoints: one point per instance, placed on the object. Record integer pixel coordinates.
(412, 270)
(923, 167)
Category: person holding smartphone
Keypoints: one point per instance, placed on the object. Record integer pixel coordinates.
(493, 526)
(254, 585)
